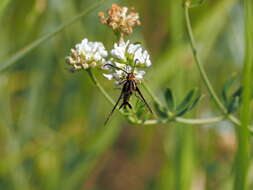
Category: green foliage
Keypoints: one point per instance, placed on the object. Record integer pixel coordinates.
(231, 98)
(172, 110)
(161, 110)
(169, 99)
(51, 121)
(188, 103)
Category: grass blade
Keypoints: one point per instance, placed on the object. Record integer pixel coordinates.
(20, 54)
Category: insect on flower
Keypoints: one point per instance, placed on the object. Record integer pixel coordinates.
(129, 88)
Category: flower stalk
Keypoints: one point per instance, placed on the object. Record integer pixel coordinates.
(198, 61)
(202, 71)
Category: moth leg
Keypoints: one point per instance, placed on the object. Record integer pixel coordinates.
(125, 104)
(122, 82)
(129, 105)
(117, 88)
(110, 114)
(143, 99)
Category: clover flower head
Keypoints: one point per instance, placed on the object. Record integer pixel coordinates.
(87, 54)
(119, 75)
(127, 56)
(120, 19)
(127, 53)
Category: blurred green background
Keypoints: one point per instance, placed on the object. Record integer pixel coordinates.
(51, 121)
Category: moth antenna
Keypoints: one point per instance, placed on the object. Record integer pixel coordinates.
(135, 62)
(115, 67)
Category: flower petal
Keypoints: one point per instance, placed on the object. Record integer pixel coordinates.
(108, 76)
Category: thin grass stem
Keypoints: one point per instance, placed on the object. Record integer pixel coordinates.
(24, 51)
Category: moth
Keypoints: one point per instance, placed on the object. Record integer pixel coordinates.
(129, 88)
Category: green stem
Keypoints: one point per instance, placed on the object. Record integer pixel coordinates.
(184, 121)
(242, 161)
(202, 71)
(98, 85)
(159, 121)
(199, 121)
(198, 62)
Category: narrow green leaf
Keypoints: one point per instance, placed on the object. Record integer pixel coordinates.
(224, 97)
(24, 51)
(182, 112)
(169, 99)
(238, 92)
(225, 91)
(194, 103)
(233, 104)
(187, 100)
(189, 107)
(162, 112)
(235, 100)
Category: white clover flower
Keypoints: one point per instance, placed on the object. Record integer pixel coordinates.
(139, 75)
(127, 53)
(119, 75)
(125, 56)
(87, 54)
(119, 50)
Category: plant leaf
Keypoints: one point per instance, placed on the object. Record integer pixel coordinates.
(162, 111)
(238, 92)
(182, 112)
(235, 101)
(234, 104)
(226, 87)
(186, 101)
(169, 99)
(190, 106)
(194, 102)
